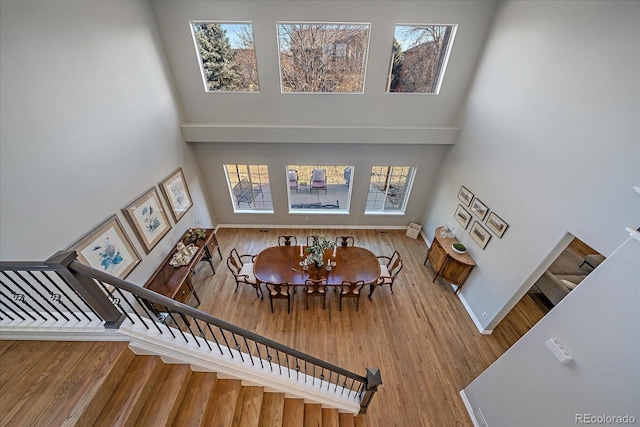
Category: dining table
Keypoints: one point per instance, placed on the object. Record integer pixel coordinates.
(281, 264)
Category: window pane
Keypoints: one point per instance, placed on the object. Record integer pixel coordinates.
(323, 57)
(249, 187)
(227, 56)
(418, 57)
(389, 188)
(319, 189)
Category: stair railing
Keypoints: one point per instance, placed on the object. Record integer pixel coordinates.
(63, 290)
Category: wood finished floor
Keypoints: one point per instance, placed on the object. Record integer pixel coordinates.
(421, 337)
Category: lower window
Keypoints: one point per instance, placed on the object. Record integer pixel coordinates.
(323, 189)
(249, 187)
(389, 189)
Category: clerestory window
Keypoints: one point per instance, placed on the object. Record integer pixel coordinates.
(226, 55)
(419, 56)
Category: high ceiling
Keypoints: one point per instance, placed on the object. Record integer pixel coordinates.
(375, 116)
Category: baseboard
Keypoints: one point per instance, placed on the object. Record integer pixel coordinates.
(472, 415)
(476, 321)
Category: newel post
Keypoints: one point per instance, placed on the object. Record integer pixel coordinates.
(374, 379)
(87, 289)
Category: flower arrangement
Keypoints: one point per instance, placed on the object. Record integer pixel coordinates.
(316, 250)
(194, 234)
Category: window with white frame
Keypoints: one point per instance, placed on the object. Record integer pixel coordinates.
(389, 189)
(322, 57)
(323, 189)
(419, 56)
(249, 187)
(227, 56)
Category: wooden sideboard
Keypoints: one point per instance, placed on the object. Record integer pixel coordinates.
(451, 266)
(175, 282)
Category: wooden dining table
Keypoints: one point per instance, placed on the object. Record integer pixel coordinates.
(281, 264)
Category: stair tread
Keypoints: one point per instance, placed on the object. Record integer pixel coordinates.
(293, 415)
(312, 415)
(346, 420)
(247, 413)
(222, 403)
(168, 392)
(330, 417)
(128, 400)
(194, 404)
(271, 412)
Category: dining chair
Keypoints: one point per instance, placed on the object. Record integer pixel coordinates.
(315, 289)
(287, 241)
(389, 269)
(311, 240)
(351, 290)
(293, 180)
(345, 241)
(318, 180)
(241, 266)
(279, 291)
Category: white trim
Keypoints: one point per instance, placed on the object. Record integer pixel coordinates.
(467, 405)
(50, 330)
(473, 317)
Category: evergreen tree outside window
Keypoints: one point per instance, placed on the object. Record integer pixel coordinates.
(226, 54)
(419, 57)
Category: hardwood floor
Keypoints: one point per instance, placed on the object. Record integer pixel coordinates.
(421, 337)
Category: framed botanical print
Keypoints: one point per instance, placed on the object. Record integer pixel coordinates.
(462, 216)
(479, 234)
(147, 217)
(108, 248)
(465, 195)
(479, 208)
(175, 190)
(496, 224)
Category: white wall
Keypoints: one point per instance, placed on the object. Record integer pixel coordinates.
(599, 325)
(550, 140)
(89, 121)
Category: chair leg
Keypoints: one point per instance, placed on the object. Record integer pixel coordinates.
(289, 305)
(271, 301)
(357, 303)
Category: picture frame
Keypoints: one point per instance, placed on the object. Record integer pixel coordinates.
(147, 217)
(479, 234)
(462, 216)
(465, 196)
(496, 224)
(479, 209)
(176, 193)
(108, 248)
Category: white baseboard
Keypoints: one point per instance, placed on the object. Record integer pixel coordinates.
(472, 415)
(315, 226)
(473, 316)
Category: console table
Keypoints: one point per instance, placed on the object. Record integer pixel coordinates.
(175, 282)
(451, 266)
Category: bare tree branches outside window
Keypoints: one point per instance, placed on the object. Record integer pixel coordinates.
(418, 57)
(318, 57)
(227, 56)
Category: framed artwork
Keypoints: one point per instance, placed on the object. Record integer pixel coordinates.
(175, 190)
(108, 248)
(462, 216)
(479, 208)
(479, 234)
(147, 217)
(465, 196)
(496, 224)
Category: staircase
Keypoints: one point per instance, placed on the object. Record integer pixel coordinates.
(48, 383)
